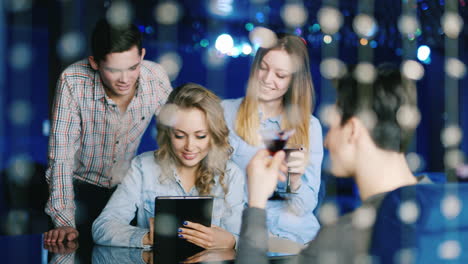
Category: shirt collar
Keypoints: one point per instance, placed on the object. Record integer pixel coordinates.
(177, 177)
(99, 91)
(275, 119)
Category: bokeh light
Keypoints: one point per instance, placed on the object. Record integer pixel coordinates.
(249, 26)
(449, 250)
(18, 5)
(119, 13)
(71, 45)
(365, 72)
(328, 114)
(328, 213)
(365, 26)
(213, 58)
(224, 43)
(20, 56)
(404, 256)
(412, 69)
(415, 162)
(332, 68)
(452, 24)
(408, 116)
(455, 68)
(451, 207)
(368, 118)
(168, 115)
(327, 39)
(262, 37)
(451, 136)
(45, 128)
(453, 158)
(16, 222)
(462, 172)
(220, 7)
(166, 224)
(364, 217)
(408, 24)
(363, 42)
(234, 51)
(330, 20)
(246, 49)
(294, 15)
(20, 112)
(424, 53)
(204, 43)
(21, 170)
(168, 13)
(172, 63)
(408, 212)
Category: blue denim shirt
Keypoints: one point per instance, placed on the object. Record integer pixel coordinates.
(292, 219)
(139, 188)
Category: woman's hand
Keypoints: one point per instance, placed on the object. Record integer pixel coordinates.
(206, 237)
(297, 162)
(263, 173)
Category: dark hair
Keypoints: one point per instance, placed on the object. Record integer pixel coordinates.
(107, 38)
(383, 98)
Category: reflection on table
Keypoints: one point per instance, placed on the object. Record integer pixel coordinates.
(107, 255)
(32, 249)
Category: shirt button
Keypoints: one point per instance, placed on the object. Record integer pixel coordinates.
(143, 118)
(117, 142)
(114, 161)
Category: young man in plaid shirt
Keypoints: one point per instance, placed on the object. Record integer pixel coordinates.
(102, 106)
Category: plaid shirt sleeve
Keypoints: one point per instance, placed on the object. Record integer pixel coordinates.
(163, 88)
(64, 141)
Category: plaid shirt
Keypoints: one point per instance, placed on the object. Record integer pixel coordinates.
(90, 140)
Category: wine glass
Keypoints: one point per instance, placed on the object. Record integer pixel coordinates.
(275, 140)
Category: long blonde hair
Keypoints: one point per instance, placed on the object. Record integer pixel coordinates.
(189, 96)
(297, 102)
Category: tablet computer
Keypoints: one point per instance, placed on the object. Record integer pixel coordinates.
(170, 214)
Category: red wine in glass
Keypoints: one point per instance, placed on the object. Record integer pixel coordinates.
(275, 145)
(275, 141)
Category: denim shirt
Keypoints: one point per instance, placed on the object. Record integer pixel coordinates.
(138, 190)
(292, 219)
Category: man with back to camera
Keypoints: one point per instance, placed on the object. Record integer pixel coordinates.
(372, 156)
(102, 106)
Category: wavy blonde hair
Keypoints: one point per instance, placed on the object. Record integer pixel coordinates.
(189, 96)
(297, 102)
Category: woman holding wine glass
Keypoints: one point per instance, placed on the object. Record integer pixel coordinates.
(279, 97)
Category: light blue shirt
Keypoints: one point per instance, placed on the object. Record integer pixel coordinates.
(292, 219)
(138, 190)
